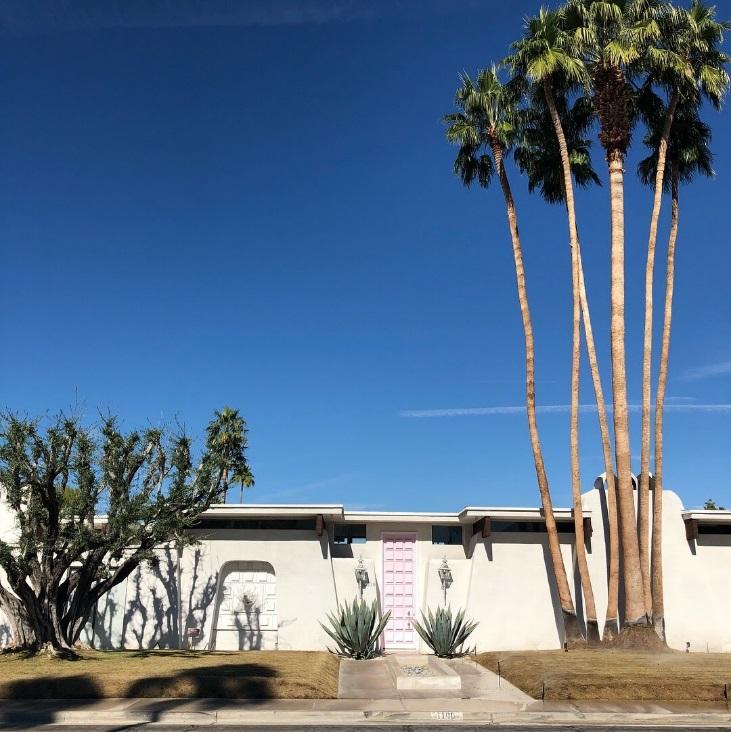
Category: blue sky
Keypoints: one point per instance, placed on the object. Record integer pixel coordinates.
(252, 204)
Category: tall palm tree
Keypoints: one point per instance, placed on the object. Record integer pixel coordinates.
(688, 154)
(484, 128)
(614, 36)
(538, 157)
(228, 431)
(543, 54)
(684, 61)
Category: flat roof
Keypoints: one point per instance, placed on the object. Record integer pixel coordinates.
(275, 510)
(470, 514)
(708, 517)
(423, 517)
(337, 512)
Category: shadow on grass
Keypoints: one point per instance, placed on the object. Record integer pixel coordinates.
(248, 683)
(74, 691)
(251, 681)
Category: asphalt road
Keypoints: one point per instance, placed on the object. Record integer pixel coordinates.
(367, 728)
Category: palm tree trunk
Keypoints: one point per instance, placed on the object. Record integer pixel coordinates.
(634, 606)
(658, 603)
(643, 498)
(592, 625)
(572, 631)
(611, 622)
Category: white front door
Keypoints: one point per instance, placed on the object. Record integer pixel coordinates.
(399, 590)
(247, 610)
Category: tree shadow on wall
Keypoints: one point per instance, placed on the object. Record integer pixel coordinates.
(250, 636)
(5, 635)
(101, 632)
(166, 633)
(136, 606)
(198, 605)
(151, 618)
(553, 589)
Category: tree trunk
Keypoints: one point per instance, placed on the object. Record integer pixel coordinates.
(634, 606)
(592, 625)
(658, 602)
(35, 623)
(21, 628)
(572, 631)
(643, 498)
(611, 622)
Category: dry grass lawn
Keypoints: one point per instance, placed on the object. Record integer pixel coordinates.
(180, 674)
(612, 675)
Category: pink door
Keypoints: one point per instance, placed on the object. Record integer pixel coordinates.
(399, 589)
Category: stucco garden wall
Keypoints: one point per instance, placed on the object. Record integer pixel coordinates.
(512, 595)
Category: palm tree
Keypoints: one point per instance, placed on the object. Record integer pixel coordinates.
(688, 154)
(614, 36)
(544, 53)
(228, 431)
(538, 157)
(484, 129)
(684, 60)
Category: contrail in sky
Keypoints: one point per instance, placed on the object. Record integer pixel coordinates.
(553, 409)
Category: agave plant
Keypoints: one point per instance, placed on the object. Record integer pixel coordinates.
(444, 634)
(356, 630)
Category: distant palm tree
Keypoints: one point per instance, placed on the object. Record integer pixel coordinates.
(688, 154)
(546, 57)
(228, 431)
(684, 61)
(484, 128)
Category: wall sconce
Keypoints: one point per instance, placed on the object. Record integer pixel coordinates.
(445, 575)
(361, 576)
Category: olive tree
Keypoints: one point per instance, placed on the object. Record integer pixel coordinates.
(90, 505)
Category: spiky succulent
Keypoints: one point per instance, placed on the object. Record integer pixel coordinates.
(444, 634)
(356, 630)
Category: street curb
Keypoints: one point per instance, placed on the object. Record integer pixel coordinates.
(312, 718)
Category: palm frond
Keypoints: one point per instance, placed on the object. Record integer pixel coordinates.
(689, 152)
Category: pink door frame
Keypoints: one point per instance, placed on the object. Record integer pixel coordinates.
(399, 589)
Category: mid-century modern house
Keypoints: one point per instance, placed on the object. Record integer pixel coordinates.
(264, 576)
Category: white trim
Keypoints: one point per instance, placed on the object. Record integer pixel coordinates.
(470, 514)
(708, 517)
(399, 517)
(336, 512)
(332, 511)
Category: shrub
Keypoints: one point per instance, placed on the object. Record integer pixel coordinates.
(444, 634)
(356, 629)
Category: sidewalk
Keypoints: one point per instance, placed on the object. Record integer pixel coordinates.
(357, 712)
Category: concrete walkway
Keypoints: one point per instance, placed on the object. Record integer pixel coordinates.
(389, 677)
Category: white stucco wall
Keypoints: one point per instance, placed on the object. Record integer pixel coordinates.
(696, 576)
(512, 595)
(8, 534)
(503, 581)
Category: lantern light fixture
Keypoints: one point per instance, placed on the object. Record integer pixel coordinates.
(361, 576)
(445, 575)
